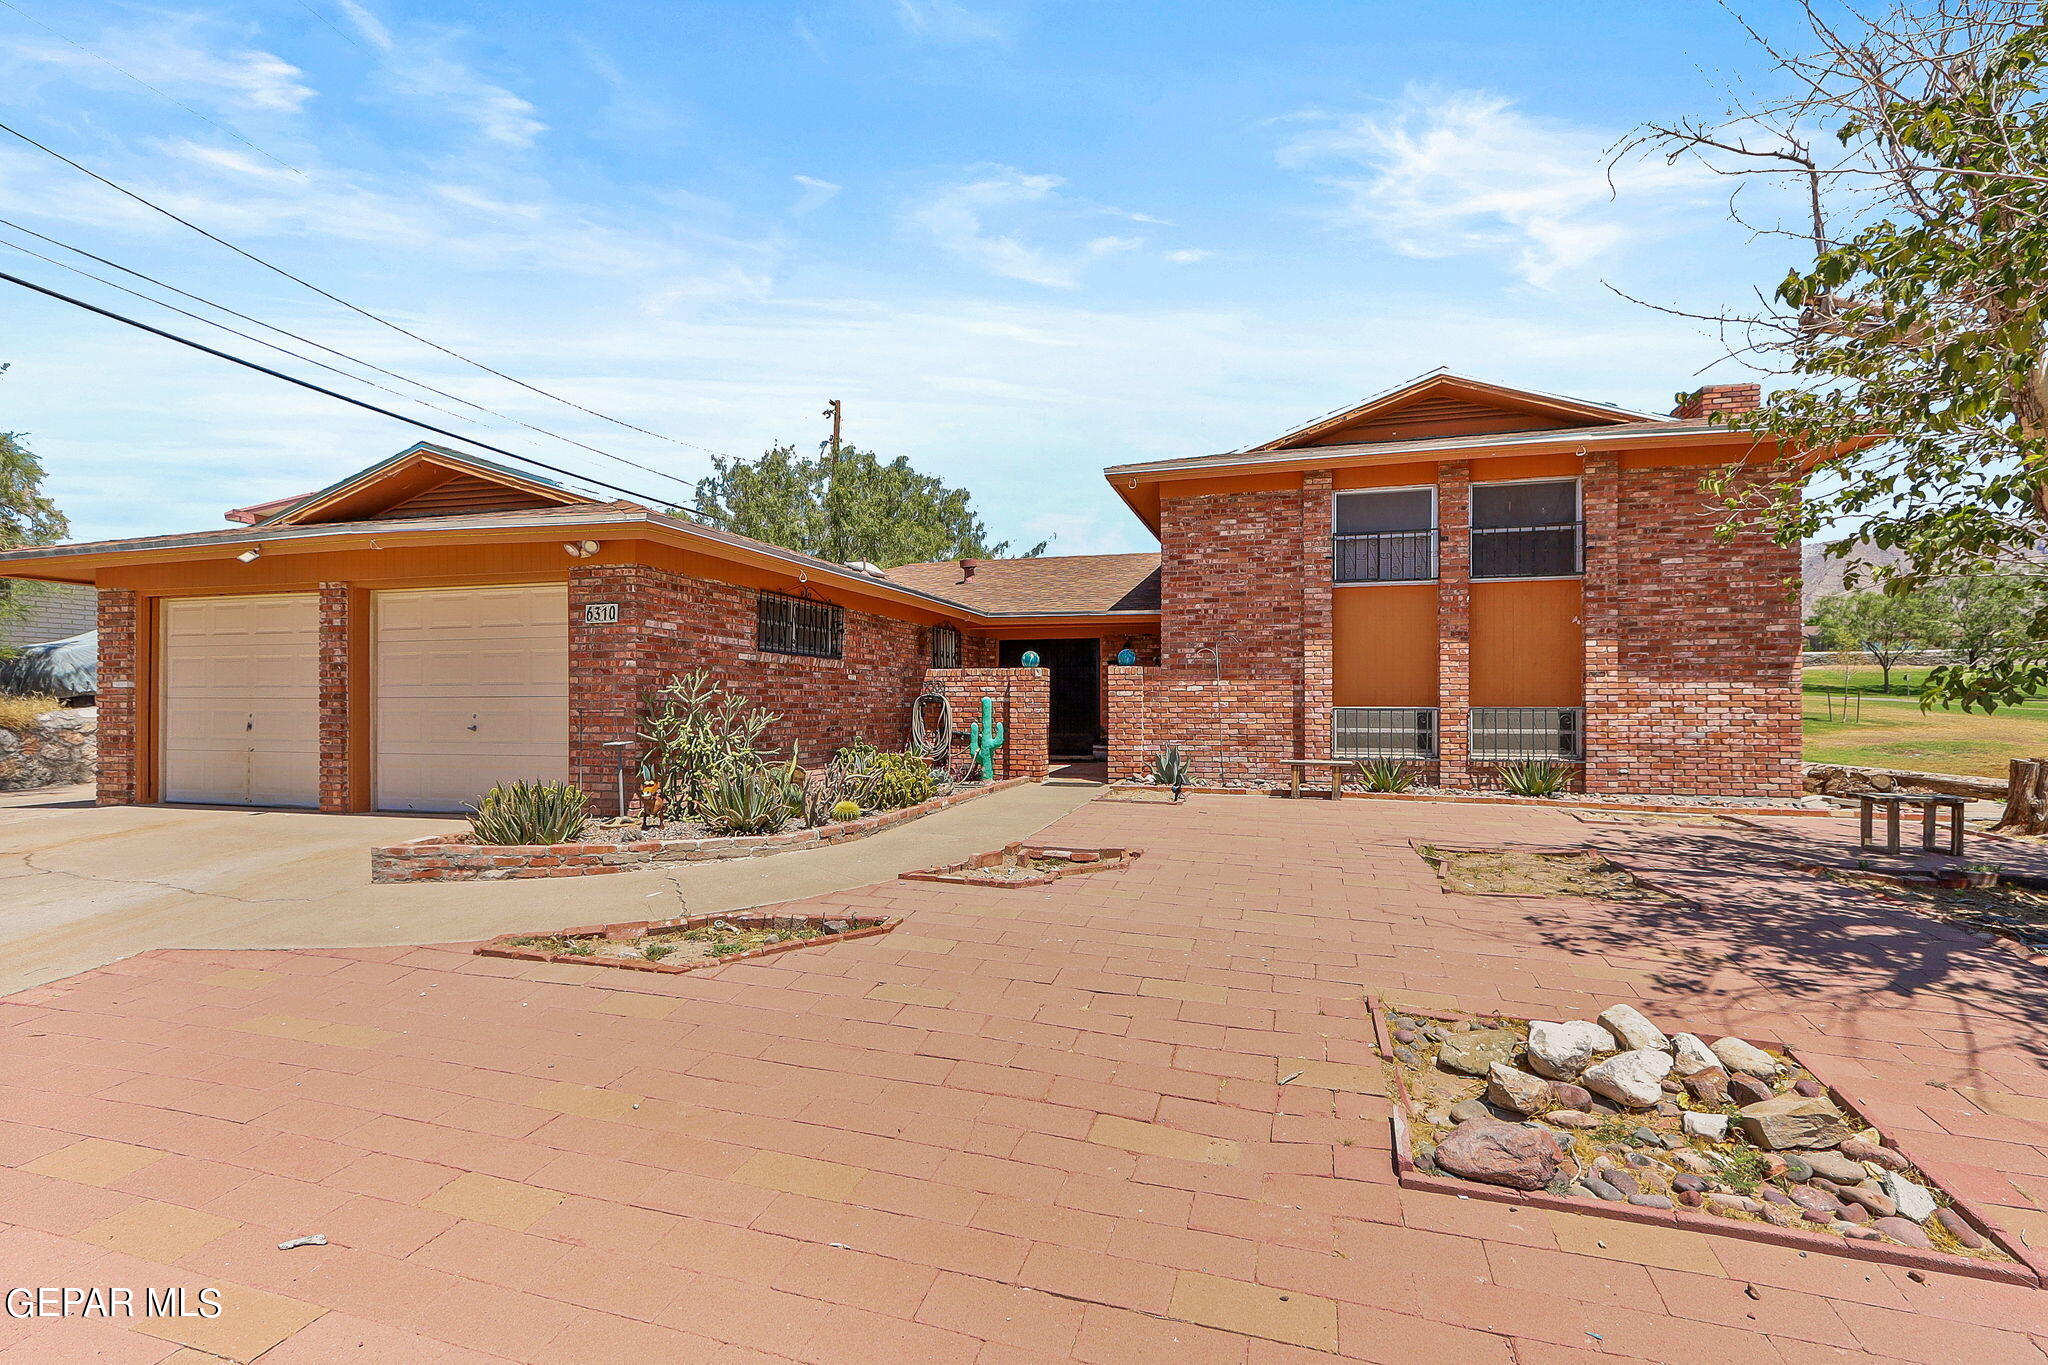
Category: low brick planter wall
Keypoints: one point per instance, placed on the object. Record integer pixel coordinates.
(855, 927)
(973, 871)
(455, 858)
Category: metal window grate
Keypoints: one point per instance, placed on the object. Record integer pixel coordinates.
(1384, 557)
(945, 647)
(799, 625)
(1383, 732)
(1512, 733)
(1554, 550)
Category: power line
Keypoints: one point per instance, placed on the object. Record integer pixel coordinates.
(331, 393)
(336, 298)
(172, 99)
(308, 341)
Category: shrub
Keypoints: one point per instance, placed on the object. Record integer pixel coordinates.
(746, 801)
(698, 734)
(18, 712)
(655, 952)
(1535, 777)
(846, 810)
(530, 813)
(901, 780)
(1170, 768)
(1386, 775)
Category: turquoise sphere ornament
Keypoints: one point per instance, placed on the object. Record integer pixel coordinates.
(1127, 657)
(1030, 659)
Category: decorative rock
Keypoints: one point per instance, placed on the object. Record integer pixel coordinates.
(1792, 1121)
(1406, 1056)
(1959, 1228)
(1517, 1090)
(1467, 1111)
(1781, 1215)
(1737, 1203)
(1869, 1197)
(1899, 1230)
(1642, 1135)
(1671, 1085)
(1688, 1182)
(1630, 1078)
(1436, 1033)
(1836, 1167)
(1650, 1201)
(1771, 1194)
(1640, 1161)
(1694, 1162)
(1624, 1181)
(1571, 1096)
(1807, 1197)
(1853, 1213)
(1670, 1142)
(1692, 1199)
(1746, 1059)
(1863, 1234)
(1817, 1216)
(1708, 1087)
(1774, 1165)
(1579, 1191)
(1562, 1051)
(1915, 1201)
(1796, 1168)
(1690, 1056)
(1571, 1118)
(1470, 1054)
(1747, 1090)
(1405, 1035)
(1667, 1109)
(1601, 1189)
(1632, 1031)
(1712, 1127)
(1499, 1154)
(1863, 1149)
(1425, 1156)
(1808, 1087)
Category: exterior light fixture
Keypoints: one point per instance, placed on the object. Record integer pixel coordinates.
(580, 549)
(250, 555)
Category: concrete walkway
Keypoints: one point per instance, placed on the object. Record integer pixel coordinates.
(81, 886)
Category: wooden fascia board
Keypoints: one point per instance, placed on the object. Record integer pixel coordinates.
(1476, 390)
(404, 464)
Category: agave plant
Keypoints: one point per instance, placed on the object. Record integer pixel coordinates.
(1170, 768)
(1386, 774)
(1536, 777)
(530, 813)
(746, 801)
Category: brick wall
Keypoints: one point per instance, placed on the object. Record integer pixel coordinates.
(1318, 622)
(1454, 622)
(337, 604)
(1231, 576)
(669, 624)
(1722, 398)
(121, 623)
(1232, 730)
(1023, 703)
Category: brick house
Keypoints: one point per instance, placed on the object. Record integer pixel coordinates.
(1453, 573)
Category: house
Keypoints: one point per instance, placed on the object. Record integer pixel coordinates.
(45, 612)
(1453, 573)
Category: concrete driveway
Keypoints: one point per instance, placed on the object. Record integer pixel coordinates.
(81, 886)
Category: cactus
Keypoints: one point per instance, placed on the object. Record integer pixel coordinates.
(984, 737)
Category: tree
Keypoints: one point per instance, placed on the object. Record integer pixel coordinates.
(1990, 616)
(857, 508)
(1886, 626)
(1915, 141)
(27, 517)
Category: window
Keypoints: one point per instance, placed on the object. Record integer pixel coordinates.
(799, 625)
(1510, 733)
(1526, 530)
(945, 647)
(1385, 535)
(1383, 732)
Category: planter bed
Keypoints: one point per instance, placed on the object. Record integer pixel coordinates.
(1523, 872)
(689, 944)
(2013, 915)
(459, 858)
(1025, 865)
(1648, 805)
(1661, 1162)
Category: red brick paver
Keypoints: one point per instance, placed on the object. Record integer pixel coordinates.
(1123, 1118)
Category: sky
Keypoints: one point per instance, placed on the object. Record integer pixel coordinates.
(1020, 240)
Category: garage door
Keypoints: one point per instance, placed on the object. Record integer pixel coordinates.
(240, 687)
(472, 688)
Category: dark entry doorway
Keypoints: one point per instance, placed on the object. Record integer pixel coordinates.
(1075, 726)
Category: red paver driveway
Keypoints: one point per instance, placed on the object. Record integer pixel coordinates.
(1031, 1125)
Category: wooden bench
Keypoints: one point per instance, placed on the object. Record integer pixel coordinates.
(1336, 767)
(1929, 807)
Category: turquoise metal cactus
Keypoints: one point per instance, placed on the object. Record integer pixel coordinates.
(984, 737)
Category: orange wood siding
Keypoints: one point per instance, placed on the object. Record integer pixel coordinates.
(1528, 648)
(1528, 467)
(1385, 476)
(1385, 645)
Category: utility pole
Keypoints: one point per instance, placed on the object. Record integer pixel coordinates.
(833, 410)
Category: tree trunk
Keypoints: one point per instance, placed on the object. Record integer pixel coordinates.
(2026, 797)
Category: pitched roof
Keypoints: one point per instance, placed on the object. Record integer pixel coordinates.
(425, 480)
(1050, 585)
(1444, 404)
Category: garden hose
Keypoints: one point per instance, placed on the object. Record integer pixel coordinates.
(921, 739)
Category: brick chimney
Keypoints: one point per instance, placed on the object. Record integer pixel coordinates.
(967, 568)
(1713, 398)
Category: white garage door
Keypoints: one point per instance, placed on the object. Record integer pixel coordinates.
(472, 689)
(240, 685)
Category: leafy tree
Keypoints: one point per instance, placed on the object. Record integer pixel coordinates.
(1913, 138)
(1885, 626)
(27, 517)
(1990, 617)
(859, 507)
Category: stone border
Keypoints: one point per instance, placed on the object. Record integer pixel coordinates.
(502, 947)
(2025, 1269)
(449, 858)
(1493, 799)
(1084, 860)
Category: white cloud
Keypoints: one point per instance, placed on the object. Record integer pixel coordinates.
(1465, 172)
(1186, 256)
(961, 219)
(421, 69)
(947, 21)
(816, 194)
(171, 56)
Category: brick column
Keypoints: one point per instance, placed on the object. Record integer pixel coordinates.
(1600, 618)
(1318, 655)
(1454, 622)
(1023, 705)
(611, 667)
(122, 650)
(343, 626)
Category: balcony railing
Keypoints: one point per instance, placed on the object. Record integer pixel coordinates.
(1384, 556)
(1383, 732)
(1514, 733)
(1556, 550)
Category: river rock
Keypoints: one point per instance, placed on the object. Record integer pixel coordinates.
(1836, 1167)
(1650, 1201)
(1572, 1118)
(1500, 1154)
(1690, 1056)
(1915, 1200)
(1853, 1213)
(1959, 1228)
(1562, 1051)
(1814, 1198)
(1470, 1054)
(1870, 1197)
(1747, 1089)
(1863, 1149)
(1468, 1111)
(1517, 1090)
(1793, 1121)
(1745, 1058)
(1712, 1127)
(1808, 1087)
(1630, 1078)
(1625, 1181)
(1571, 1096)
(1632, 1031)
(1899, 1230)
(1782, 1215)
(1708, 1087)
(1733, 1203)
(1602, 1190)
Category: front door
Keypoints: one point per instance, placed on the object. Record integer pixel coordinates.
(1075, 725)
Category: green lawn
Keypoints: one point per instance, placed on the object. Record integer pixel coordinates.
(1893, 732)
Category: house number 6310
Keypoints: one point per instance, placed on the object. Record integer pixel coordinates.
(600, 613)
